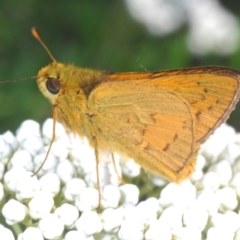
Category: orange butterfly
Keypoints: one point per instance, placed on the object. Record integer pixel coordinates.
(159, 119)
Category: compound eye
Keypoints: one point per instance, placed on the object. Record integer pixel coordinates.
(53, 85)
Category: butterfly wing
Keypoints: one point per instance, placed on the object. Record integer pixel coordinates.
(211, 92)
(149, 123)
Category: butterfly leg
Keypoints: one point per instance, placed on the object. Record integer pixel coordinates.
(94, 140)
(115, 169)
(52, 141)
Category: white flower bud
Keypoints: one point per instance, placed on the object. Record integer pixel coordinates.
(190, 220)
(104, 176)
(32, 144)
(40, 205)
(31, 233)
(49, 164)
(208, 199)
(130, 193)
(14, 212)
(231, 152)
(130, 168)
(27, 129)
(157, 180)
(87, 199)
(110, 196)
(213, 147)
(156, 231)
(6, 234)
(131, 230)
(172, 217)
(227, 199)
(50, 183)
(111, 219)
(83, 156)
(65, 170)
(68, 213)
(26, 186)
(12, 177)
(51, 226)
(210, 180)
(73, 188)
(228, 221)
(223, 170)
(47, 130)
(5, 150)
(183, 194)
(11, 139)
(149, 210)
(60, 149)
(22, 158)
(89, 223)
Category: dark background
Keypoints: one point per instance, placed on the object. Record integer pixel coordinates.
(95, 34)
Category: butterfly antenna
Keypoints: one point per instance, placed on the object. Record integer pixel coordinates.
(19, 80)
(36, 34)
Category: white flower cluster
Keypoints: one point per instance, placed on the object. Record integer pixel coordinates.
(61, 201)
(212, 29)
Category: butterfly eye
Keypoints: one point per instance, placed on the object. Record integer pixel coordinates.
(53, 85)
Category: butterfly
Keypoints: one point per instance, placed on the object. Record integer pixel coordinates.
(159, 119)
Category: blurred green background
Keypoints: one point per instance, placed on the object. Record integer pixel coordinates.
(95, 34)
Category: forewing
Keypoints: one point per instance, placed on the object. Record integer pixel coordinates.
(211, 92)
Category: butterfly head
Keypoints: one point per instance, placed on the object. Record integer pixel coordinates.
(49, 81)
